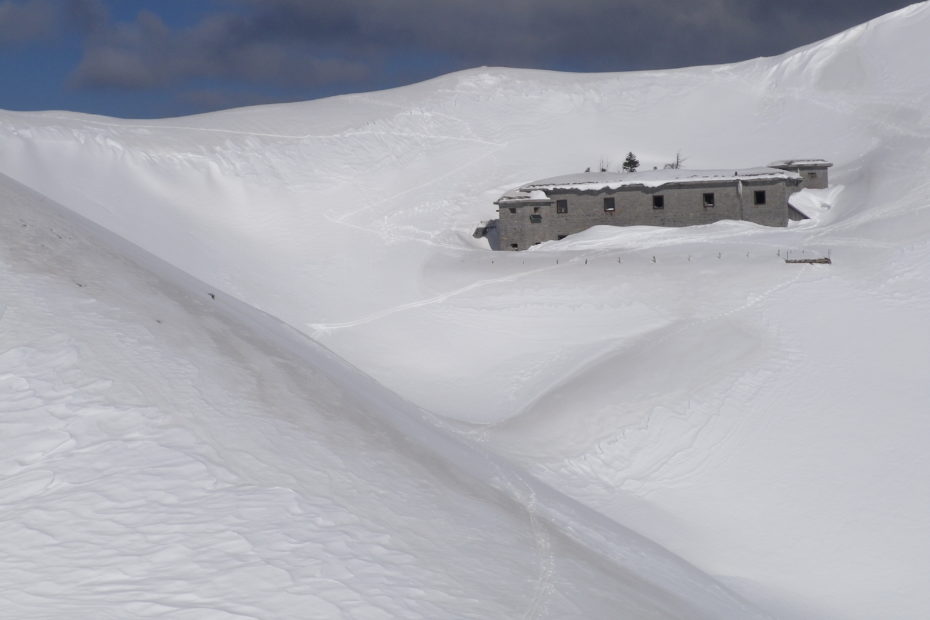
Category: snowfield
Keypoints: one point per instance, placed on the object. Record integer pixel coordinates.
(254, 365)
(169, 454)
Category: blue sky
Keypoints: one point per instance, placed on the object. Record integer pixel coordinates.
(132, 58)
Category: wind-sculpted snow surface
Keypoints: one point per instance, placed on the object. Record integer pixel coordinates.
(169, 453)
(765, 421)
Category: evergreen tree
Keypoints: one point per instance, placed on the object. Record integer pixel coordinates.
(630, 164)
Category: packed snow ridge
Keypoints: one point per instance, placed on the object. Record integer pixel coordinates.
(253, 365)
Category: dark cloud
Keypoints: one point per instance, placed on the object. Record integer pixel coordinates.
(147, 54)
(600, 33)
(86, 16)
(28, 21)
(22, 22)
(309, 43)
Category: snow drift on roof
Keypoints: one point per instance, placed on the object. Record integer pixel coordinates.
(593, 181)
(520, 195)
(800, 162)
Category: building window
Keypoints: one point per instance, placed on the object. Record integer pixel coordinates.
(658, 201)
(535, 209)
(513, 209)
(709, 199)
(609, 206)
(561, 206)
(514, 246)
(758, 197)
(811, 175)
(535, 219)
(561, 237)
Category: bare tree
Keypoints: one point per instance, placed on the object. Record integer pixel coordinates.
(678, 163)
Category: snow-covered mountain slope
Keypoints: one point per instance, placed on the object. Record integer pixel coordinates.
(168, 452)
(767, 422)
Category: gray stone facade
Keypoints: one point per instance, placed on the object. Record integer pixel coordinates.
(813, 172)
(555, 208)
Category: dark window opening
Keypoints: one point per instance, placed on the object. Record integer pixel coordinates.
(514, 246)
(609, 205)
(759, 197)
(709, 199)
(535, 209)
(561, 237)
(811, 175)
(658, 201)
(513, 209)
(535, 219)
(561, 206)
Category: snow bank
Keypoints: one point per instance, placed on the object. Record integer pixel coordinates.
(170, 452)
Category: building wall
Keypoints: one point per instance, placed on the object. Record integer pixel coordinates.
(515, 227)
(814, 178)
(683, 206)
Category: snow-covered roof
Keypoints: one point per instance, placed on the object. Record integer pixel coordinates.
(594, 181)
(521, 196)
(801, 163)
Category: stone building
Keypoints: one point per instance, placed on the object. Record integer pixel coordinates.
(554, 208)
(813, 171)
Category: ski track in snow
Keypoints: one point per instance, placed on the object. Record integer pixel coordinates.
(407, 191)
(654, 471)
(317, 329)
(257, 134)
